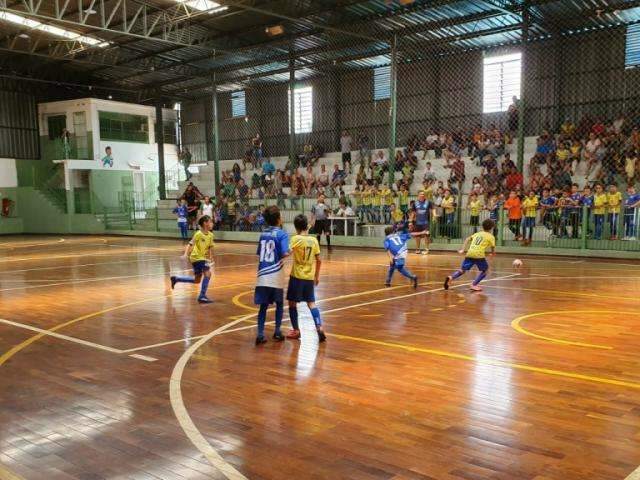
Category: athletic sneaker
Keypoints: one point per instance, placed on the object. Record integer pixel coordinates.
(415, 283)
(425, 252)
(321, 335)
(174, 280)
(261, 339)
(387, 284)
(446, 282)
(293, 334)
(278, 336)
(476, 288)
(418, 252)
(204, 300)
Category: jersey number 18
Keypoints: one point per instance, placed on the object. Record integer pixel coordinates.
(267, 250)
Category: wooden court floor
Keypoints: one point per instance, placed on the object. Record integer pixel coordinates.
(105, 373)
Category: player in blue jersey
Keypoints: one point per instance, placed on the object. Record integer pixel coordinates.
(422, 216)
(548, 206)
(273, 247)
(182, 212)
(575, 212)
(395, 244)
(631, 205)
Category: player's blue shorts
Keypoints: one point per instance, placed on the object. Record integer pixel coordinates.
(301, 290)
(268, 295)
(468, 263)
(420, 227)
(200, 266)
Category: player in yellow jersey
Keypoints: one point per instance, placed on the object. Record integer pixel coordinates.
(376, 201)
(476, 247)
(614, 201)
(403, 200)
(599, 209)
(305, 275)
(366, 196)
(475, 206)
(386, 200)
(530, 210)
(199, 251)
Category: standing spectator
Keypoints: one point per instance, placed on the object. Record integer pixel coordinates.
(365, 151)
(614, 200)
(186, 162)
(320, 220)
(514, 211)
(631, 204)
(66, 143)
(346, 144)
(256, 144)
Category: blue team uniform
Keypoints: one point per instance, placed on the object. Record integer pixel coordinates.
(547, 218)
(422, 215)
(630, 214)
(272, 247)
(182, 212)
(396, 245)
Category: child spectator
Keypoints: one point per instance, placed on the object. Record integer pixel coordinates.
(514, 211)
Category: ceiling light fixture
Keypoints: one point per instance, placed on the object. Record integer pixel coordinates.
(52, 30)
(204, 5)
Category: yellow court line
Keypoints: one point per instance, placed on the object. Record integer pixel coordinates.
(21, 346)
(516, 324)
(563, 293)
(14, 245)
(489, 361)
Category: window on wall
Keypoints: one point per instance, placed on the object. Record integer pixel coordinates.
(501, 81)
(238, 104)
(632, 49)
(124, 127)
(303, 109)
(382, 83)
(55, 125)
(169, 132)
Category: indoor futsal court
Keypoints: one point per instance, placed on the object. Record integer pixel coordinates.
(107, 373)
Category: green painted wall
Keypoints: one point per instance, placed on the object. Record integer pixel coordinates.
(31, 171)
(13, 223)
(105, 185)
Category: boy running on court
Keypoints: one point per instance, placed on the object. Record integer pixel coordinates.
(305, 275)
(273, 247)
(395, 244)
(199, 251)
(477, 245)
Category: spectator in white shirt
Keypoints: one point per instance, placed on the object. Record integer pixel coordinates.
(380, 159)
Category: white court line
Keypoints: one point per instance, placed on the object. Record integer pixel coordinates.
(175, 388)
(79, 341)
(635, 475)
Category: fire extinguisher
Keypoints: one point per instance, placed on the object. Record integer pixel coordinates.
(6, 206)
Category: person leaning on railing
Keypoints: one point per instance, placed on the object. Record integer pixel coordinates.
(631, 206)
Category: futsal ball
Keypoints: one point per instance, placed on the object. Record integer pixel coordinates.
(517, 263)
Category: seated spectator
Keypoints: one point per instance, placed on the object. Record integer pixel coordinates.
(345, 210)
(591, 150)
(255, 181)
(364, 150)
(243, 191)
(507, 161)
(236, 172)
(268, 168)
(457, 171)
(567, 129)
(337, 179)
(286, 179)
(323, 177)
(513, 180)
(429, 174)
(381, 160)
(309, 180)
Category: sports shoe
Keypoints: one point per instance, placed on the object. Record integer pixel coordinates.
(293, 334)
(321, 335)
(261, 339)
(174, 280)
(387, 284)
(418, 251)
(415, 283)
(476, 288)
(446, 282)
(204, 300)
(278, 336)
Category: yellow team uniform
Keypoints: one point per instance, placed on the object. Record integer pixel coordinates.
(447, 204)
(428, 193)
(613, 201)
(599, 203)
(304, 249)
(366, 197)
(386, 196)
(376, 199)
(403, 198)
(530, 206)
(562, 154)
(475, 207)
(202, 243)
(480, 242)
(397, 215)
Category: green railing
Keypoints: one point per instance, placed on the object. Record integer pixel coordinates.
(49, 180)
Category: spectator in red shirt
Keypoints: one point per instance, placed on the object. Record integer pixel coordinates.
(514, 178)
